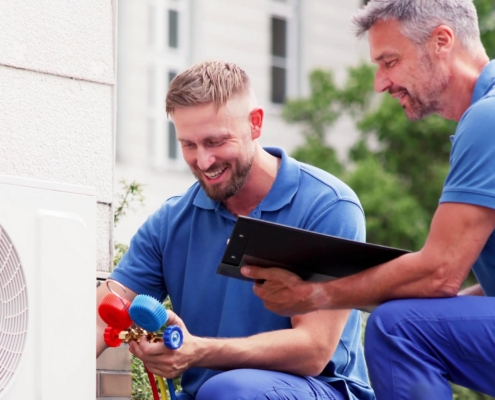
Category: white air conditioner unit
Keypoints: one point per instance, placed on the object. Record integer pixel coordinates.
(47, 290)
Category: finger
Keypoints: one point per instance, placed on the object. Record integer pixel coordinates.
(145, 349)
(259, 290)
(135, 349)
(253, 272)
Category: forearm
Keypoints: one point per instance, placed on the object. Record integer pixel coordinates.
(410, 276)
(289, 350)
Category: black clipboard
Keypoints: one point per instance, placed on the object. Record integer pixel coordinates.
(313, 256)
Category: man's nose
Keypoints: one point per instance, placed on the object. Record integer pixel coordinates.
(205, 158)
(382, 82)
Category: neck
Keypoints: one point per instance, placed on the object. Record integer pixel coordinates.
(258, 184)
(463, 77)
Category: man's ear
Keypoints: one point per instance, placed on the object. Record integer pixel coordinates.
(256, 119)
(442, 41)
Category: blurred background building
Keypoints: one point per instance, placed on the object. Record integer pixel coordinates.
(277, 42)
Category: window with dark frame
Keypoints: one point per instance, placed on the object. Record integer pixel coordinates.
(172, 141)
(279, 60)
(172, 144)
(173, 29)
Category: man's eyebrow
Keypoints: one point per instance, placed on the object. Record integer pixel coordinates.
(213, 136)
(384, 55)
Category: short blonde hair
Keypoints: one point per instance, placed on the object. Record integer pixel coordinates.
(204, 83)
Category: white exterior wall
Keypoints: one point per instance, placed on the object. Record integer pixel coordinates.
(236, 31)
(57, 103)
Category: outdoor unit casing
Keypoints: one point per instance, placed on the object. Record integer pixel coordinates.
(47, 290)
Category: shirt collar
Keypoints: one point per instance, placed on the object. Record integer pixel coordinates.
(283, 190)
(484, 83)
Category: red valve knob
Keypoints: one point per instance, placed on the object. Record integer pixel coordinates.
(114, 311)
(111, 337)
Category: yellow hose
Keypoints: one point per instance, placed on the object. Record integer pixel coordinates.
(161, 384)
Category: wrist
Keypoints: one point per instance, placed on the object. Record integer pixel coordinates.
(321, 298)
(202, 350)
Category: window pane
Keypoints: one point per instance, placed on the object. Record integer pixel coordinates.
(279, 37)
(173, 29)
(169, 75)
(172, 141)
(278, 85)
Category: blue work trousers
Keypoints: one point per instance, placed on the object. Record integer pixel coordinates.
(254, 384)
(415, 347)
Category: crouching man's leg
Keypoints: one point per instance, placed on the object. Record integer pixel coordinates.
(415, 347)
(253, 384)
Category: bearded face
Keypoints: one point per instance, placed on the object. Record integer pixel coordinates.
(239, 171)
(425, 93)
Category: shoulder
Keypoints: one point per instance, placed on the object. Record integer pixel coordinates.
(318, 181)
(181, 201)
(479, 118)
(174, 210)
(332, 206)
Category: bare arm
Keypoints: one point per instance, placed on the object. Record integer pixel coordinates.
(304, 350)
(101, 292)
(457, 236)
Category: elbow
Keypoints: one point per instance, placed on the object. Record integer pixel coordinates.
(315, 364)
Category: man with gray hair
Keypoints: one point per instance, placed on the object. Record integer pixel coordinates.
(430, 58)
(233, 347)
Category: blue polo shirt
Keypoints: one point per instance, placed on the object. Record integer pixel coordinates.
(178, 249)
(471, 178)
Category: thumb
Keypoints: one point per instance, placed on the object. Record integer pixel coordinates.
(254, 272)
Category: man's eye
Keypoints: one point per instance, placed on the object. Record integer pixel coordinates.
(389, 64)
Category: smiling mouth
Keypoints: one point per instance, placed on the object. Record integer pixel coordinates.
(400, 96)
(215, 173)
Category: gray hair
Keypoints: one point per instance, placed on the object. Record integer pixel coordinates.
(418, 19)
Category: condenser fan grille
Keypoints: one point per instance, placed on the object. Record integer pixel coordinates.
(13, 309)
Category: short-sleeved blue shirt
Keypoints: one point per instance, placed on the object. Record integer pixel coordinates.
(178, 249)
(472, 166)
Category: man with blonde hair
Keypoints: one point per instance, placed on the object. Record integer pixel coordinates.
(430, 58)
(177, 252)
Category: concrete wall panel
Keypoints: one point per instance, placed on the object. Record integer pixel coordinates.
(61, 37)
(56, 129)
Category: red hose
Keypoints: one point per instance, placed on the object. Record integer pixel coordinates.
(154, 389)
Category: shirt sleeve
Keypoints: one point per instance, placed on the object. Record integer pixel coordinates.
(343, 218)
(471, 178)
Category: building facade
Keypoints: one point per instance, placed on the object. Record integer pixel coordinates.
(277, 42)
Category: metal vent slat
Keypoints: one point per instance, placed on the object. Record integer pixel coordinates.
(13, 309)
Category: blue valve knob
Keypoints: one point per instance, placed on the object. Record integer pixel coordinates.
(148, 313)
(173, 337)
